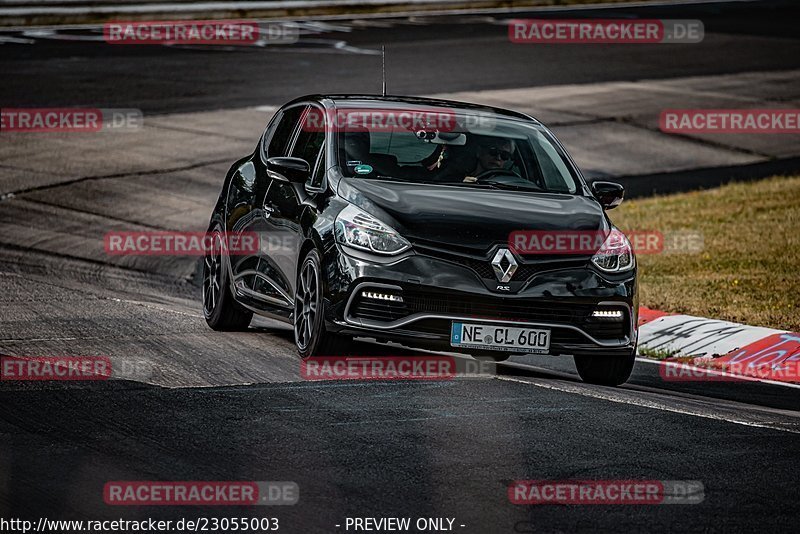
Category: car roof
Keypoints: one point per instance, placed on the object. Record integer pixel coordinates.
(395, 101)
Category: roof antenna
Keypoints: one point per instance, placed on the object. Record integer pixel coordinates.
(383, 67)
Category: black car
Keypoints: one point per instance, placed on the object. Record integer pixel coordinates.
(397, 219)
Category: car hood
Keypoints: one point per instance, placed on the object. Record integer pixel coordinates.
(469, 218)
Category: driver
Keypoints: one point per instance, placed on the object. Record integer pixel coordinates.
(492, 154)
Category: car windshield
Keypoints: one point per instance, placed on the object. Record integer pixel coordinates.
(472, 149)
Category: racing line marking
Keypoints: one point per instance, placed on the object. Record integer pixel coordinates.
(565, 388)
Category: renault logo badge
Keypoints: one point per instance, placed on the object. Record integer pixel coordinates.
(504, 265)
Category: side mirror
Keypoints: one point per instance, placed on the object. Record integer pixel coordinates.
(610, 194)
(293, 170)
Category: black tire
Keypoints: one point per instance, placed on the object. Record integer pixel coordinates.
(310, 335)
(220, 310)
(605, 370)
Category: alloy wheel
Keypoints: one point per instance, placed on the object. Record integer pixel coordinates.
(306, 305)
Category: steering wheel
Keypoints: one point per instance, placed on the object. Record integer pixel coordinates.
(491, 173)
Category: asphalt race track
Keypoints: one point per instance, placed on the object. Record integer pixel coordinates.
(232, 406)
(424, 55)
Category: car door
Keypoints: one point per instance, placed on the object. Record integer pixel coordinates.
(268, 285)
(244, 206)
(240, 213)
(283, 207)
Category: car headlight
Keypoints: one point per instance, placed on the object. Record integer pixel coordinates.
(360, 230)
(615, 255)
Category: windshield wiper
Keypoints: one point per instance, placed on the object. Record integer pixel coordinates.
(511, 187)
(390, 178)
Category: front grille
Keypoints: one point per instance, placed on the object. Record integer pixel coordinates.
(483, 266)
(489, 307)
(534, 310)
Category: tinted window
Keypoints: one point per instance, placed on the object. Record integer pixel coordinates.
(309, 141)
(404, 146)
(282, 135)
(472, 150)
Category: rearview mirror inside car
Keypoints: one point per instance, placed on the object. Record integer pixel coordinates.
(294, 170)
(442, 138)
(610, 194)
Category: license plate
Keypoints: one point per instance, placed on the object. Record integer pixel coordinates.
(496, 337)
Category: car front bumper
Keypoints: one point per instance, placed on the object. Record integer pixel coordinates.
(436, 292)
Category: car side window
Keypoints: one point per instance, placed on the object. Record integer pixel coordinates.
(282, 134)
(308, 145)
